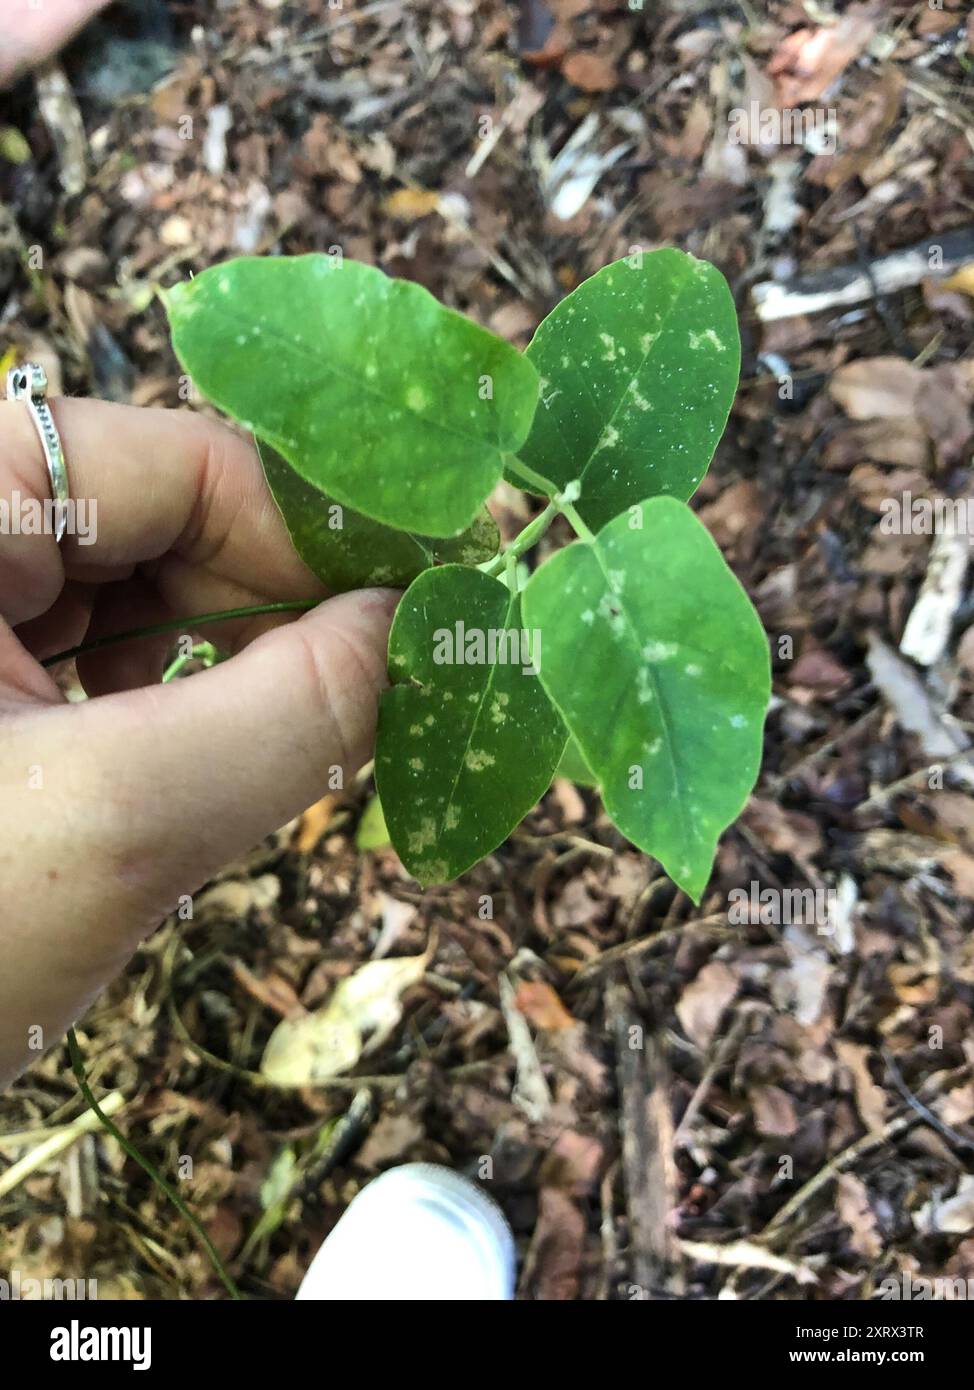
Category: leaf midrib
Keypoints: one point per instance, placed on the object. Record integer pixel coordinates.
(651, 667)
(361, 383)
(630, 377)
(512, 601)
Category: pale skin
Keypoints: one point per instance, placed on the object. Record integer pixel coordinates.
(35, 29)
(112, 809)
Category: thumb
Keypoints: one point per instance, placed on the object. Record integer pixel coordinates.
(165, 785)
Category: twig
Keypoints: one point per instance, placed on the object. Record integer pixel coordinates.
(56, 1142)
(847, 285)
(716, 1064)
(716, 924)
(883, 308)
(647, 1149)
(881, 799)
(774, 1230)
(922, 1110)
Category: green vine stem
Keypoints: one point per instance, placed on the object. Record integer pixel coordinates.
(530, 536)
(535, 480)
(78, 1067)
(561, 501)
(177, 625)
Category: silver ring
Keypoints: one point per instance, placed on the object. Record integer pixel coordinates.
(29, 384)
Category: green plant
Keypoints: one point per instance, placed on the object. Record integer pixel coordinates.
(633, 654)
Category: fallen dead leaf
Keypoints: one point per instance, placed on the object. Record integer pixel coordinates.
(589, 72)
(954, 1216)
(530, 1092)
(541, 1006)
(854, 1209)
(784, 832)
(958, 1105)
(390, 1140)
(573, 1162)
(818, 670)
(902, 688)
(314, 823)
(877, 387)
(808, 61)
(555, 1257)
(962, 280)
(310, 1050)
(803, 986)
(271, 990)
(410, 204)
(774, 1112)
(702, 1003)
(234, 898)
(870, 1097)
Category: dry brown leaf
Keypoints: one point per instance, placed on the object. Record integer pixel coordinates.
(589, 72)
(900, 685)
(541, 1006)
(914, 983)
(314, 823)
(555, 1257)
(574, 1162)
(784, 832)
(310, 1050)
(854, 1209)
(390, 1141)
(774, 1112)
(870, 1097)
(943, 407)
(410, 204)
(568, 9)
(704, 1000)
(958, 1105)
(736, 515)
(234, 898)
(954, 1216)
(816, 669)
(808, 61)
(271, 990)
(903, 442)
(946, 816)
(962, 280)
(875, 387)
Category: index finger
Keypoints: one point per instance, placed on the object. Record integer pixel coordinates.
(145, 483)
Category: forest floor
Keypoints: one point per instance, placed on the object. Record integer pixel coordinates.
(799, 1122)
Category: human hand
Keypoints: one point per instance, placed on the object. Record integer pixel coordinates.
(31, 32)
(113, 808)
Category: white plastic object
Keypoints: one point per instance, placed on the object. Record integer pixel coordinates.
(419, 1232)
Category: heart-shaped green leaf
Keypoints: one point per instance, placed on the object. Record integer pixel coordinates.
(660, 668)
(638, 370)
(347, 550)
(468, 740)
(373, 391)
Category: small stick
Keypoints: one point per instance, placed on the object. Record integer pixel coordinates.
(846, 285)
(55, 1144)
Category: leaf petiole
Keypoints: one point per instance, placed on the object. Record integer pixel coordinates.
(177, 625)
(576, 522)
(536, 480)
(522, 542)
